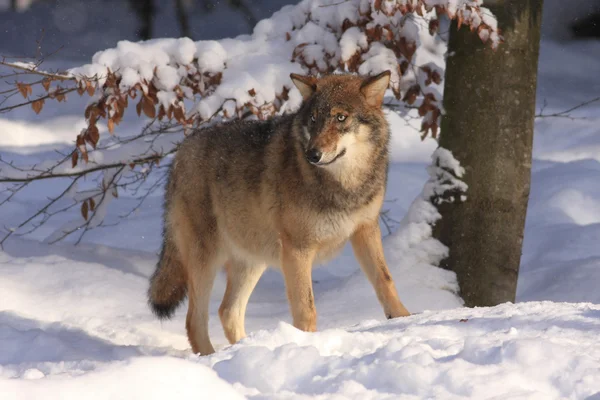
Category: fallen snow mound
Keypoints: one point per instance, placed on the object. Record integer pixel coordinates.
(539, 350)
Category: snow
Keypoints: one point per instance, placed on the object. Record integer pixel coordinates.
(458, 354)
(20, 134)
(74, 322)
(352, 41)
(539, 350)
(150, 377)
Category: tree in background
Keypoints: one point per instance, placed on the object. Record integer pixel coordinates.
(145, 11)
(588, 26)
(489, 99)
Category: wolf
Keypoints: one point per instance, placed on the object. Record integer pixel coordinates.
(287, 192)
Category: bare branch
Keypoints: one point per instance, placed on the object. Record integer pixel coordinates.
(86, 226)
(52, 95)
(39, 212)
(31, 68)
(566, 113)
(86, 171)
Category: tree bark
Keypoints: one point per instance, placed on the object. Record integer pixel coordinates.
(182, 17)
(588, 26)
(489, 100)
(145, 12)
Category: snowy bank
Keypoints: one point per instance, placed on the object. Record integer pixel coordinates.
(538, 350)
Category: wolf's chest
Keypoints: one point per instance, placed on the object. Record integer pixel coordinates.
(332, 230)
(340, 225)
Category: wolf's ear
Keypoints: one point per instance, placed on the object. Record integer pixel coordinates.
(373, 88)
(307, 85)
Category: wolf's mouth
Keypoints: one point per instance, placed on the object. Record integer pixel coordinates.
(340, 155)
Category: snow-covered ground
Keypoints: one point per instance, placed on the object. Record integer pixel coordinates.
(540, 350)
(74, 321)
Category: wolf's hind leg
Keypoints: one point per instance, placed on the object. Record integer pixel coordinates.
(366, 243)
(200, 282)
(241, 280)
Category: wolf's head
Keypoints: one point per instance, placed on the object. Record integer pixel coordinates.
(341, 118)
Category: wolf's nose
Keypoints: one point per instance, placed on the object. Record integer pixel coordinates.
(313, 155)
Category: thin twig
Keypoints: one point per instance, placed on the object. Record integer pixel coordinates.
(60, 92)
(565, 113)
(39, 212)
(52, 175)
(35, 71)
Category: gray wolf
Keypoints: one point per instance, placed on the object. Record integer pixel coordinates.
(286, 193)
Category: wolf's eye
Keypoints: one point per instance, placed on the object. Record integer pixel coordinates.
(313, 118)
(341, 117)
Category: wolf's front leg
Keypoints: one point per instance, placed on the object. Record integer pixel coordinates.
(296, 265)
(366, 243)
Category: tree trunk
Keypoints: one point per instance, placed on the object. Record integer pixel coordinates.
(489, 100)
(145, 12)
(588, 26)
(182, 17)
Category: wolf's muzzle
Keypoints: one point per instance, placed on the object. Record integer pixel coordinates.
(322, 163)
(313, 155)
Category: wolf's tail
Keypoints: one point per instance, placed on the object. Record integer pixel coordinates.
(168, 283)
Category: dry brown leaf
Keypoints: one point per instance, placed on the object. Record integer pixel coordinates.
(411, 94)
(93, 135)
(161, 113)
(434, 25)
(84, 210)
(404, 67)
(24, 89)
(138, 107)
(90, 88)
(148, 107)
(37, 105)
(179, 114)
(434, 130)
(74, 159)
(46, 84)
(88, 110)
